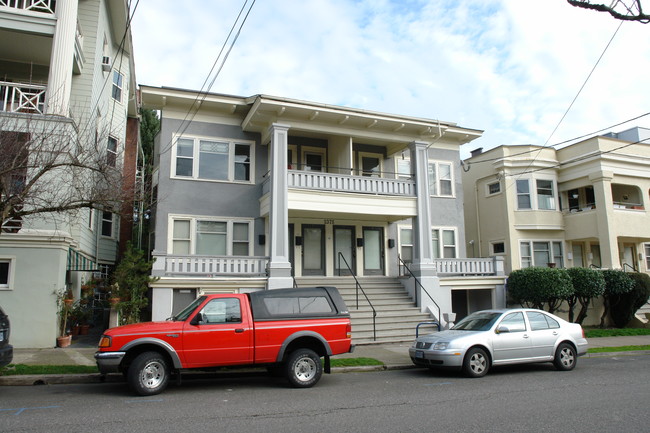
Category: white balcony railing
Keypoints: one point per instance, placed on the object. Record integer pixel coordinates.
(22, 98)
(465, 267)
(346, 183)
(46, 6)
(209, 266)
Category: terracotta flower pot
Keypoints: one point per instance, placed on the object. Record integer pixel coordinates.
(63, 341)
(114, 300)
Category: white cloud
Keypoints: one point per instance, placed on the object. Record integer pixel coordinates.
(509, 67)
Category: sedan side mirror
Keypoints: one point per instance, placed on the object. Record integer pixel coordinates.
(502, 329)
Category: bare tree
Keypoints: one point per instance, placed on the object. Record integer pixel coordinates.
(627, 10)
(49, 167)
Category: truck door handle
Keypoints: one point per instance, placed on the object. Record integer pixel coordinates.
(239, 330)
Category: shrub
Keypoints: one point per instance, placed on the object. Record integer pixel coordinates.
(629, 302)
(537, 286)
(132, 278)
(617, 283)
(587, 284)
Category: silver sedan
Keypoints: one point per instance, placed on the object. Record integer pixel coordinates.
(501, 337)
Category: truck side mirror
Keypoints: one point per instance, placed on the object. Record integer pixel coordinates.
(198, 319)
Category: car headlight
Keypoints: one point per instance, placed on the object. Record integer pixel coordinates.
(441, 345)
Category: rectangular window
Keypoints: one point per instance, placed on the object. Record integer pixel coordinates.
(213, 160)
(444, 243)
(498, 248)
(543, 253)
(545, 194)
(404, 169)
(5, 269)
(406, 245)
(111, 151)
(494, 188)
(193, 236)
(118, 80)
(523, 194)
(440, 179)
(647, 257)
(107, 224)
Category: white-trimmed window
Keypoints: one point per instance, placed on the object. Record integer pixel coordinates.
(211, 236)
(498, 248)
(545, 194)
(444, 243)
(107, 224)
(523, 194)
(7, 266)
(494, 188)
(118, 83)
(213, 159)
(441, 182)
(406, 244)
(647, 256)
(541, 253)
(111, 151)
(403, 169)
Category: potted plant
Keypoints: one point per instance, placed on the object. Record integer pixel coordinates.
(64, 307)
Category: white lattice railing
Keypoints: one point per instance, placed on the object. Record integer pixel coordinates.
(465, 266)
(346, 183)
(46, 6)
(209, 265)
(22, 98)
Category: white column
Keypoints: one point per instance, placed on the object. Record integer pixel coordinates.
(279, 266)
(609, 252)
(59, 82)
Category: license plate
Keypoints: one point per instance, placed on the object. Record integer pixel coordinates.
(419, 354)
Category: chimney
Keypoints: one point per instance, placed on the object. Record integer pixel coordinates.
(476, 152)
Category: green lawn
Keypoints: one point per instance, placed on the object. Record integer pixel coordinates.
(617, 349)
(20, 369)
(615, 332)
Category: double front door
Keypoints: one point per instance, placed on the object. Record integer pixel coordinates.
(345, 245)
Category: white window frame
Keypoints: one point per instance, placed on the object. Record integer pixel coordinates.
(402, 244)
(551, 244)
(647, 256)
(11, 261)
(538, 197)
(435, 183)
(196, 151)
(110, 153)
(440, 253)
(119, 85)
(101, 228)
(528, 193)
(360, 170)
(194, 219)
(311, 150)
(490, 193)
(533, 193)
(406, 163)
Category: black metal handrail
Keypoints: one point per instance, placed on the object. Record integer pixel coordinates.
(591, 265)
(415, 288)
(627, 265)
(358, 287)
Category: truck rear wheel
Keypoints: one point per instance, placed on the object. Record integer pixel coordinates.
(148, 374)
(303, 368)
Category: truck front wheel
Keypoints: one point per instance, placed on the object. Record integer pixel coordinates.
(148, 374)
(303, 368)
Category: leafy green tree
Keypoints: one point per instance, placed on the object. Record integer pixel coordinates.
(629, 302)
(617, 283)
(536, 286)
(587, 284)
(149, 128)
(131, 279)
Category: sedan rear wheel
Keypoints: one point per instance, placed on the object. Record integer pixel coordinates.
(476, 363)
(565, 357)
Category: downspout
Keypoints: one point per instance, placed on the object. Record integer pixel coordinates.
(478, 218)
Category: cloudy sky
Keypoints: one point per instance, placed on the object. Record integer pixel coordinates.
(509, 67)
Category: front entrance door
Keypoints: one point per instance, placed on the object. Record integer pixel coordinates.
(373, 251)
(292, 249)
(344, 244)
(628, 257)
(313, 249)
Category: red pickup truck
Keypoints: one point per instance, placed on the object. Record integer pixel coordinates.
(285, 329)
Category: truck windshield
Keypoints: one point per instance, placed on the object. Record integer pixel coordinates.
(185, 313)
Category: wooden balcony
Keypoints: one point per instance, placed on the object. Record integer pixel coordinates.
(22, 98)
(208, 266)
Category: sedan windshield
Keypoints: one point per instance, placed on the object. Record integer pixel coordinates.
(481, 321)
(188, 310)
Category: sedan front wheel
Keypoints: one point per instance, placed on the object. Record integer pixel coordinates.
(476, 363)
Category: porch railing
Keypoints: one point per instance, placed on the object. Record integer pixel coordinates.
(22, 98)
(209, 266)
(46, 6)
(347, 183)
(465, 267)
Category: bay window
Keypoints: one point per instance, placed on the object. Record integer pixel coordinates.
(211, 237)
(208, 159)
(545, 194)
(440, 179)
(523, 194)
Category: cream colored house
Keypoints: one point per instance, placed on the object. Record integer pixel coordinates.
(583, 205)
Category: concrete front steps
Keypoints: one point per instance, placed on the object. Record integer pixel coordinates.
(397, 315)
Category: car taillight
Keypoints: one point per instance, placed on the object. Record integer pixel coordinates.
(105, 341)
(348, 330)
